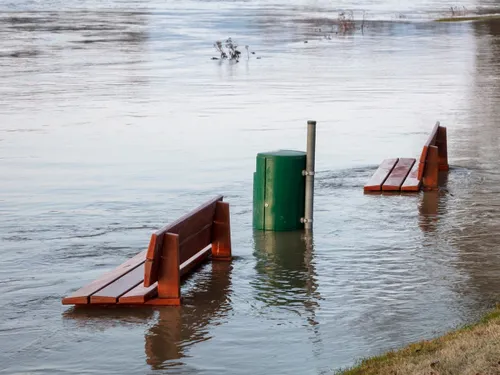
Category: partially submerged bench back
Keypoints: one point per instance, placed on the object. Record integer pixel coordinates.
(431, 141)
(194, 232)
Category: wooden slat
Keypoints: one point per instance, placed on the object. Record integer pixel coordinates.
(193, 221)
(431, 141)
(190, 223)
(195, 243)
(152, 266)
(380, 175)
(412, 183)
(112, 292)
(81, 296)
(140, 294)
(195, 261)
(398, 175)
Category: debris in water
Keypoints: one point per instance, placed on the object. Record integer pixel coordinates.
(232, 50)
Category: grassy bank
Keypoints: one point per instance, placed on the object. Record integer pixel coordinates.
(471, 350)
(485, 17)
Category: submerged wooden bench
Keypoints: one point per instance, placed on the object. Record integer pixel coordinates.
(153, 276)
(406, 174)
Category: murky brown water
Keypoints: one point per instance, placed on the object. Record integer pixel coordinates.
(114, 121)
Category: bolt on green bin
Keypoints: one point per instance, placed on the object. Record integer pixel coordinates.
(279, 190)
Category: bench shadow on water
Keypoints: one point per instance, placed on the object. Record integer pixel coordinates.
(176, 328)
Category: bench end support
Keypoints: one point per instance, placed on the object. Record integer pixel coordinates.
(442, 144)
(431, 169)
(221, 233)
(169, 280)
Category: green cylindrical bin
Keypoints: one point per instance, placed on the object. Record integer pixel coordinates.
(279, 190)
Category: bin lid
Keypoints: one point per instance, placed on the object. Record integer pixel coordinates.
(282, 154)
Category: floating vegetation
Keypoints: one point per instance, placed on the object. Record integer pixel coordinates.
(459, 11)
(228, 50)
(346, 24)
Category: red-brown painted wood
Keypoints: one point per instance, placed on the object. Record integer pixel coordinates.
(195, 237)
(169, 283)
(81, 296)
(442, 145)
(398, 175)
(431, 171)
(412, 183)
(111, 293)
(190, 223)
(193, 244)
(431, 141)
(197, 259)
(152, 266)
(141, 294)
(221, 233)
(380, 175)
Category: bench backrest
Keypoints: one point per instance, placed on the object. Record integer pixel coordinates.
(194, 232)
(431, 141)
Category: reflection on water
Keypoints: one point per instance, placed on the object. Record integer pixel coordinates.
(285, 271)
(474, 218)
(433, 205)
(175, 329)
(101, 318)
(179, 328)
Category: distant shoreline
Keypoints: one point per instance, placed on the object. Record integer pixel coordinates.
(472, 349)
(484, 17)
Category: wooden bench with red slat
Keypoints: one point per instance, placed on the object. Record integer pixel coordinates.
(407, 175)
(184, 241)
(412, 183)
(153, 276)
(398, 175)
(380, 175)
(82, 295)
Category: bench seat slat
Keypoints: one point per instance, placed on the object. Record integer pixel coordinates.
(380, 175)
(81, 296)
(141, 294)
(398, 174)
(412, 182)
(111, 293)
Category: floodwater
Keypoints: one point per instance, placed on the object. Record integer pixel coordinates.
(114, 120)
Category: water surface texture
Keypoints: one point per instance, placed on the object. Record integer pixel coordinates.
(114, 120)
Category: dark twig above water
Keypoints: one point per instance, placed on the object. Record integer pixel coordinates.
(228, 50)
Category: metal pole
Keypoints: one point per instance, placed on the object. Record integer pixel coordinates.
(309, 173)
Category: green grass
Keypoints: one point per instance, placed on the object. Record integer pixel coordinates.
(469, 18)
(445, 353)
